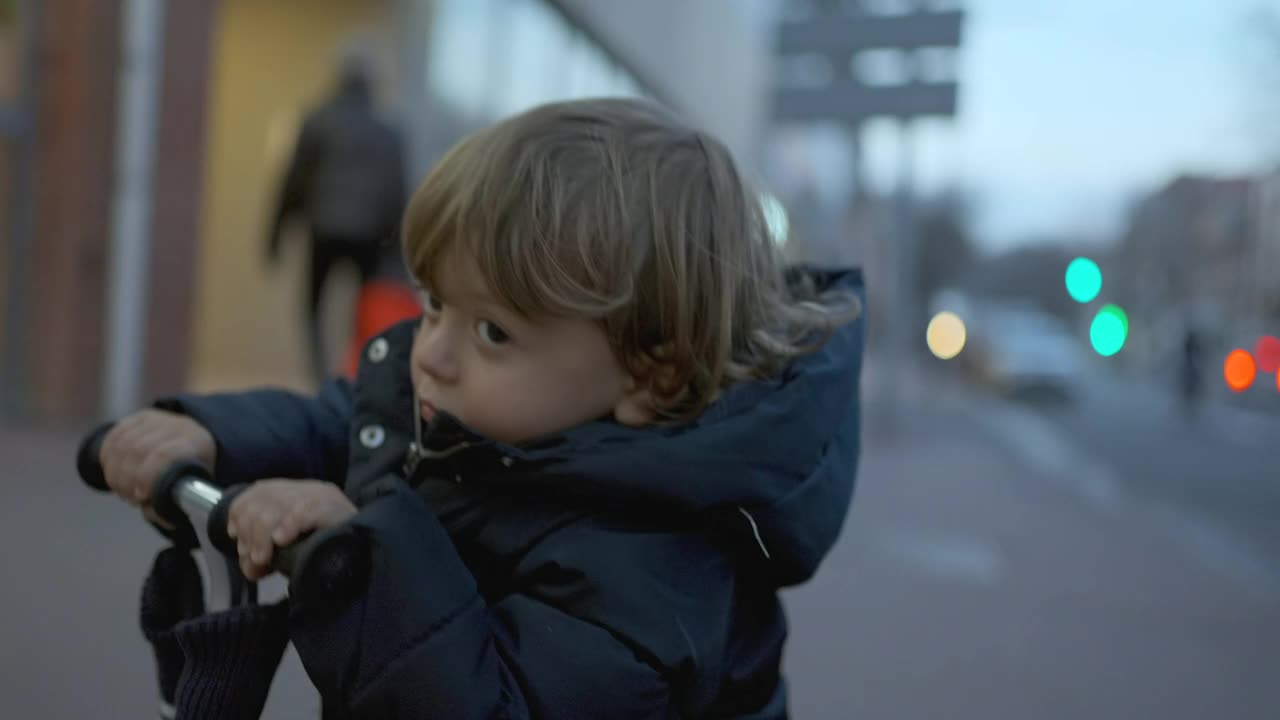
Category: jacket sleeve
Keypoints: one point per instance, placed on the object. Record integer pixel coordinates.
(274, 433)
(420, 641)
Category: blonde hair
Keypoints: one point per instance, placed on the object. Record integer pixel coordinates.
(615, 211)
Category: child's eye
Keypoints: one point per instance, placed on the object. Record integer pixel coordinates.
(491, 334)
(431, 303)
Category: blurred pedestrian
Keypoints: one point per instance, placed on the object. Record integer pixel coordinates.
(1191, 371)
(346, 181)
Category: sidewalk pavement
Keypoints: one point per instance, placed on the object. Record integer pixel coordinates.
(967, 585)
(74, 561)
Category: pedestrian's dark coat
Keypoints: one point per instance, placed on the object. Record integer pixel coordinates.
(346, 175)
(606, 572)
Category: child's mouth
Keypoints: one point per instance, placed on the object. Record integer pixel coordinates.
(427, 409)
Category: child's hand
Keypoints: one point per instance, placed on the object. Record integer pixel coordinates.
(140, 447)
(272, 514)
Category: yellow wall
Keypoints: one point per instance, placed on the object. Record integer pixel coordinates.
(272, 61)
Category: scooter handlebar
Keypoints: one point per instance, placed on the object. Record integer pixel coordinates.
(324, 566)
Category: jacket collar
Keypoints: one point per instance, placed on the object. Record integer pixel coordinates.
(779, 454)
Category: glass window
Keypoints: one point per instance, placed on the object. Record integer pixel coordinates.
(623, 84)
(460, 63)
(493, 58)
(561, 36)
(576, 70)
(584, 65)
(536, 57)
(599, 72)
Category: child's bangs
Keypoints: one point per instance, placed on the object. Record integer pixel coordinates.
(531, 245)
(539, 269)
(429, 228)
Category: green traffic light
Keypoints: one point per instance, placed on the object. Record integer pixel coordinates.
(1109, 330)
(1084, 280)
(1120, 313)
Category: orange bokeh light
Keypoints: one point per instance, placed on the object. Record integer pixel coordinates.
(1240, 370)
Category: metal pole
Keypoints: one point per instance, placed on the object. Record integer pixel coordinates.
(905, 335)
(14, 370)
(142, 32)
(414, 31)
(857, 163)
(906, 227)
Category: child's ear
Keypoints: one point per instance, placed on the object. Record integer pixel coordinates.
(639, 405)
(635, 407)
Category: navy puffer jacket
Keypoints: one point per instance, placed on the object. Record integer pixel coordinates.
(607, 572)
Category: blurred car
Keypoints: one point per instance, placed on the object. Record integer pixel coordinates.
(1026, 353)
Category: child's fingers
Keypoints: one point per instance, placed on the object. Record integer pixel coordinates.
(251, 569)
(294, 523)
(158, 459)
(255, 562)
(264, 523)
(132, 456)
(250, 522)
(267, 536)
(273, 514)
(118, 450)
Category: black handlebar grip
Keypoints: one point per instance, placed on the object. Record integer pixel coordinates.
(165, 502)
(326, 568)
(217, 523)
(88, 463)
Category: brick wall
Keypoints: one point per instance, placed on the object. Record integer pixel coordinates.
(78, 58)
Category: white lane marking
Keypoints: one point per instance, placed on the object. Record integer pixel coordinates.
(1046, 448)
(954, 557)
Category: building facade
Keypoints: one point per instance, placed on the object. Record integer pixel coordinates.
(1266, 261)
(232, 81)
(1189, 257)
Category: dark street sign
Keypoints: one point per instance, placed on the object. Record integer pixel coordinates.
(847, 34)
(855, 103)
(840, 36)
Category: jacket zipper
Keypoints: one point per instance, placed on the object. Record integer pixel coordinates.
(418, 450)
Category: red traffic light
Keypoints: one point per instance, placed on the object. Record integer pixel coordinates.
(1267, 353)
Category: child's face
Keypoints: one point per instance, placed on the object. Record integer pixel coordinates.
(510, 378)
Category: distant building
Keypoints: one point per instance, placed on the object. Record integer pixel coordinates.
(1266, 251)
(1190, 256)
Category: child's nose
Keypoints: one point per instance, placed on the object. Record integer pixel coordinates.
(434, 351)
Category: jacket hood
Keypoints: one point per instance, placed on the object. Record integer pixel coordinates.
(774, 460)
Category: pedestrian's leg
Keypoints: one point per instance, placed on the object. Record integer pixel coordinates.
(322, 259)
(368, 257)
